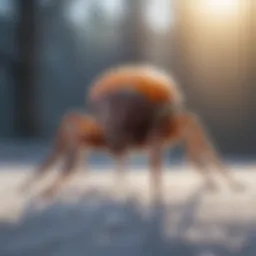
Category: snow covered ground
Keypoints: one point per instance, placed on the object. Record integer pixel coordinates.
(91, 217)
(88, 217)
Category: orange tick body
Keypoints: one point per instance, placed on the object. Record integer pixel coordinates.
(151, 82)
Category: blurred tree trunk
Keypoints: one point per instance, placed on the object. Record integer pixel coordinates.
(25, 73)
(133, 31)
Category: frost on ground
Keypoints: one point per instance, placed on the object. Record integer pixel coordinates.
(92, 217)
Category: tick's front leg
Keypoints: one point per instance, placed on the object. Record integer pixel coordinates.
(72, 155)
(71, 161)
(57, 151)
(155, 164)
(119, 187)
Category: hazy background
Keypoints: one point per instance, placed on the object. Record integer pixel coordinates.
(50, 50)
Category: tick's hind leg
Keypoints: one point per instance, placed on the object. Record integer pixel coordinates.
(225, 172)
(200, 150)
(201, 168)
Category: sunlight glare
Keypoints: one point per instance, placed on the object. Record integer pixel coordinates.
(221, 6)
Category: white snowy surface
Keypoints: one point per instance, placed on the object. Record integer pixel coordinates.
(91, 216)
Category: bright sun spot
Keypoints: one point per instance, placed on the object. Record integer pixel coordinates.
(221, 6)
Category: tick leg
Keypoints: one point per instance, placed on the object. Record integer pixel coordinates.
(200, 149)
(119, 179)
(72, 157)
(155, 165)
(68, 171)
(58, 148)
